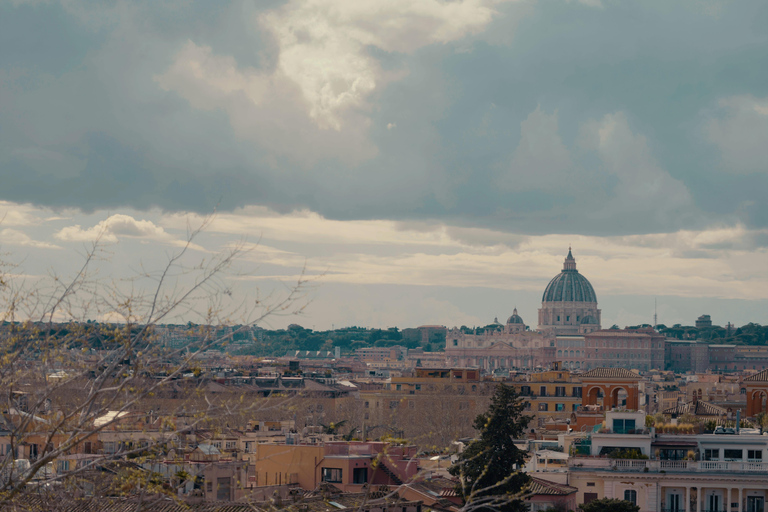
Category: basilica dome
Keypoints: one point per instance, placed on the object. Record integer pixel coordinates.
(515, 318)
(569, 285)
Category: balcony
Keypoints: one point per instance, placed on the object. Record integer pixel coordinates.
(668, 466)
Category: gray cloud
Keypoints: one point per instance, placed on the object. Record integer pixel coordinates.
(492, 122)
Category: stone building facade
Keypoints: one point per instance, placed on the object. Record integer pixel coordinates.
(510, 347)
(641, 349)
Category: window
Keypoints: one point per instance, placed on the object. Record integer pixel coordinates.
(359, 475)
(558, 318)
(560, 391)
(398, 387)
(543, 407)
(630, 496)
(712, 454)
(367, 416)
(568, 318)
(755, 455)
(559, 407)
(393, 404)
(623, 426)
(223, 486)
(672, 454)
(209, 486)
(455, 342)
(332, 475)
(417, 387)
(543, 391)
(367, 404)
(730, 454)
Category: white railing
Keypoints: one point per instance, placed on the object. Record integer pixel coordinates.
(630, 464)
(656, 466)
(674, 465)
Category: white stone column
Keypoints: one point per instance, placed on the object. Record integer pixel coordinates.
(687, 503)
(740, 508)
(700, 502)
(659, 490)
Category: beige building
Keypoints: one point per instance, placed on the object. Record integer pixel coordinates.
(679, 473)
(511, 346)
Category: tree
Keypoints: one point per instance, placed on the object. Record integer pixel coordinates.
(66, 380)
(489, 468)
(609, 505)
(762, 421)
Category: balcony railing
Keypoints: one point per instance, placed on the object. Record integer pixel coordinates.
(668, 466)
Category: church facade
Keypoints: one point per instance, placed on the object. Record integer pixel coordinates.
(568, 312)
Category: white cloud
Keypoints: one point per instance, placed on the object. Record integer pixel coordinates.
(15, 237)
(14, 215)
(325, 71)
(114, 227)
(323, 43)
(267, 109)
(741, 133)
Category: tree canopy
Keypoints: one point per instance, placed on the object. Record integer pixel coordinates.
(488, 469)
(609, 505)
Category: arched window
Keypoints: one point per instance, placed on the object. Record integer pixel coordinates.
(630, 496)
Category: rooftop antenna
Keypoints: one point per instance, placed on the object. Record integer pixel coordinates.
(655, 316)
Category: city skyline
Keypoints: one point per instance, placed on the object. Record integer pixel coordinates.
(380, 274)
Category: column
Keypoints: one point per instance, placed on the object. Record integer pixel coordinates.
(658, 497)
(700, 501)
(687, 506)
(739, 509)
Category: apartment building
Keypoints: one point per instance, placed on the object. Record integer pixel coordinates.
(726, 471)
(552, 394)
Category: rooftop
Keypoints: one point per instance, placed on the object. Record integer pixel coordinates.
(610, 373)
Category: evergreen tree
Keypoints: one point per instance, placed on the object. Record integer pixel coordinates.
(488, 469)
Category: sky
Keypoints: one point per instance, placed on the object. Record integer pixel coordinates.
(420, 162)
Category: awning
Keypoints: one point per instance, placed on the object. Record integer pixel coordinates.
(551, 455)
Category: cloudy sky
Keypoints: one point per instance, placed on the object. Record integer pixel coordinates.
(430, 161)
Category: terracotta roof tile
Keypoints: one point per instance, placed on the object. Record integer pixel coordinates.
(610, 373)
(758, 377)
(699, 408)
(540, 486)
